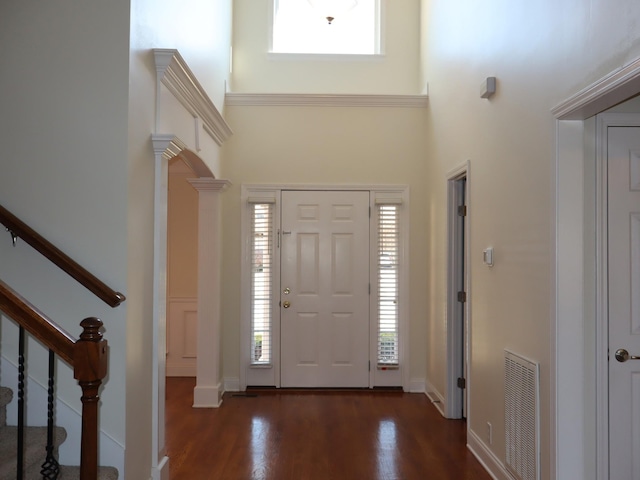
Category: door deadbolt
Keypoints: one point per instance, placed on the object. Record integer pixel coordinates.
(286, 291)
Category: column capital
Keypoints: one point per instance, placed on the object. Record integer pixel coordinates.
(209, 184)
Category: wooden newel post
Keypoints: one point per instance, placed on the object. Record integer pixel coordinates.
(90, 367)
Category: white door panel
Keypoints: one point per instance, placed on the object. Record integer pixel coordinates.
(624, 300)
(325, 262)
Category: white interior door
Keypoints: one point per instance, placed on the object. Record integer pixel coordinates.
(324, 295)
(624, 301)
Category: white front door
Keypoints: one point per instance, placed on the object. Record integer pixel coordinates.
(324, 294)
(624, 301)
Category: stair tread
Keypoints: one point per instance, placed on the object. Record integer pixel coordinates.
(35, 447)
(6, 395)
(73, 473)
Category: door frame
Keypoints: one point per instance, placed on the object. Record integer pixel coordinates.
(270, 374)
(580, 382)
(458, 338)
(604, 121)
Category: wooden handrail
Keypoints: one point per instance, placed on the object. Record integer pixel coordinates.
(36, 323)
(87, 356)
(20, 229)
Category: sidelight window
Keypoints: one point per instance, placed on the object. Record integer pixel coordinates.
(388, 281)
(261, 282)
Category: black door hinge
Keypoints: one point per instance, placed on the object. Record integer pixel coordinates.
(462, 382)
(462, 297)
(462, 211)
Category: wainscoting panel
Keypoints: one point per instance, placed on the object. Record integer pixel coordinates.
(182, 334)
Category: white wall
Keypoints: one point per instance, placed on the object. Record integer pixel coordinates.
(541, 53)
(78, 167)
(325, 145)
(396, 72)
(201, 31)
(64, 94)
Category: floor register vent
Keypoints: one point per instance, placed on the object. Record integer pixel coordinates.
(522, 428)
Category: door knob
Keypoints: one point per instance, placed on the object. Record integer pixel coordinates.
(286, 304)
(622, 356)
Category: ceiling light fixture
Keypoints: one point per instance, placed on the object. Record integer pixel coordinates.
(329, 9)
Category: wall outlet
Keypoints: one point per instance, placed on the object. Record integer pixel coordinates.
(489, 433)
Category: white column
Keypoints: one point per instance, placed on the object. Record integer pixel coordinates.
(164, 148)
(208, 390)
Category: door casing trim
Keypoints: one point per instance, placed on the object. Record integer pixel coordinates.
(604, 121)
(454, 399)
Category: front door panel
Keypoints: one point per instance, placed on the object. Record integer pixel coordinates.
(324, 303)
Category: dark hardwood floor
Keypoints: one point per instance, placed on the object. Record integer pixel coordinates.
(312, 435)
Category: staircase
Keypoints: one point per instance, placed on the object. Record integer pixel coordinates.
(34, 456)
(86, 355)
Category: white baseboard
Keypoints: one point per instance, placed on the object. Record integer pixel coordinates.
(436, 398)
(417, 385)
(111, 451)
(231, 384)
(486, 457)
(207, 396)
(161, 471)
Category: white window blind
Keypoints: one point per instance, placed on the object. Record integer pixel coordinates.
(261, 282)
(388, 255)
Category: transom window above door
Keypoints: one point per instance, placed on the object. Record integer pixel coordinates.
(326, 27)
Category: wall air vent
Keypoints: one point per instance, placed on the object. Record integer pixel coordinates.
(522, 428)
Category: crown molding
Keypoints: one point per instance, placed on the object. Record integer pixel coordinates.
(337, 100)
(175, 74)
(611, 89)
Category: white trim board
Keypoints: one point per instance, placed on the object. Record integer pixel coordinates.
(337, 100)
(610, 90)
(487, 459)
(455, 399)
(174, 73)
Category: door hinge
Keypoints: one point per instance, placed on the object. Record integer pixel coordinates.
(462, 211)
(462, 297)
(369, 365)
(369, 289)
(462, 382)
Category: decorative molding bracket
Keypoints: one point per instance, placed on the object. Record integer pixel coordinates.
(167, 145)
(173, 72)
(303, 99)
